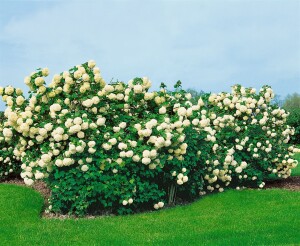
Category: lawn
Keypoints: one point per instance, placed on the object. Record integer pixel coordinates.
(248, 217)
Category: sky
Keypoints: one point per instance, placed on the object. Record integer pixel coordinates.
(208, 45)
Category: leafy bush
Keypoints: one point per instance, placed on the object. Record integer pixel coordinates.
(294, 121)
(121, 148)
(292, 104)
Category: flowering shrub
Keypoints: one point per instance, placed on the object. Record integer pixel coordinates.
(10, 141)
(123, 148)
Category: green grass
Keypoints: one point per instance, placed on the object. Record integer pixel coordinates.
(248, 217)
(296, 171)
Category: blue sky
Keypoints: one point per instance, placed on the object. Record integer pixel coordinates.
(208, 45)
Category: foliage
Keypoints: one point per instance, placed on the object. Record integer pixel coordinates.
(296, 171)
(2, 117)
(196, 95)
(121, 148)
(292, 104)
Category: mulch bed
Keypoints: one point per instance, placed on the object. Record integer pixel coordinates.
(291, 183)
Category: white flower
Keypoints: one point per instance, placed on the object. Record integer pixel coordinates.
(80, 134)
(228, 159)
(138, 89)
(129, 153)
(148, 96)
(160, 204)
(48, 127)
(162, 110)
(227, 101)
(106, 146)
(20, 100)
(109, 88)
(136, 158)
(101, 121)
(195, 122)
(133, 144)
(153, 153)
(185, 179)
(156, 206)
(122, 125)
(84, 168)
(239, 169)
(55, 107)
(91, 144)
(91, 64)
(87, 103)
(113, 141)
(28, 182)
(130, 200)
(116, 129)
(244, 164)
(7, 132)
(122, 146)
(39, 81)
(125, 203)
(146, 153)
(59, 163)
(180, 176)
(146, 160)
(91, 150)
(42, 131)
(181, 111)
(38, 175)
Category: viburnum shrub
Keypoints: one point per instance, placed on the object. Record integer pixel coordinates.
(122, 148)
(10, 141)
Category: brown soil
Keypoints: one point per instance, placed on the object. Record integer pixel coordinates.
(291, 183)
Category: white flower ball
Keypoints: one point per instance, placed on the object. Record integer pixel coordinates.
(91, 144)
(129, 153)
(84, 168)
(136, 158)
(181, 111)
(130, 200)
(138, 89)
(162, 110)
(101, 121)
(239, 169)
(80, 134)
(91, 63)
(146, 160)
(122, 125)
(28, 182)
(161, 204)
(185, 179)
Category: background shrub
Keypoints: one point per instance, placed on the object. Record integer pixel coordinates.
(292, 105)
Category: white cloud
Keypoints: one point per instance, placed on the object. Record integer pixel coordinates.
(208, 45)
